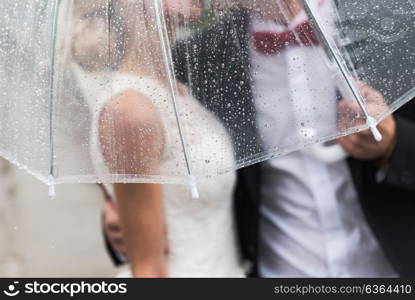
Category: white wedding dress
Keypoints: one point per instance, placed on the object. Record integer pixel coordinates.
(201, 233)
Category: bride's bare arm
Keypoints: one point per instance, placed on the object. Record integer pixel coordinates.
(131, 137)
(140, 208)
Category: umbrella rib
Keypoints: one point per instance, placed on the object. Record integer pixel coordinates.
(173, 88)
(370, 121)
(52, 82)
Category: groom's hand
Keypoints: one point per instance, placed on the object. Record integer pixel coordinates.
(362, 145)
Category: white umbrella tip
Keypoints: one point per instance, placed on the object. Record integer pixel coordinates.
(372, 123)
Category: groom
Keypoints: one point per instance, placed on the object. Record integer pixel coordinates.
(288, 225)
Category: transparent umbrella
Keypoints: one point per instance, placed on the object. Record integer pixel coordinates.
(174, 91)
(372, 44)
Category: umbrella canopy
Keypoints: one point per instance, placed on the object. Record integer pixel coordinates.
(172, 91)
(373, 43)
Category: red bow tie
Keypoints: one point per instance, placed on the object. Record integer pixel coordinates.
(274, 42)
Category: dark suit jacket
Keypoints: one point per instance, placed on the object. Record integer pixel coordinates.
(215, 64)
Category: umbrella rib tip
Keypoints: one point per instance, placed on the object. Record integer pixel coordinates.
(372, 123)
(193, 187)
(51, 184)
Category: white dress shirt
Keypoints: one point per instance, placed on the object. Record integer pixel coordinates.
(312, 224)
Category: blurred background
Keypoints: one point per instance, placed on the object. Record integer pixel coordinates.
(43, 237)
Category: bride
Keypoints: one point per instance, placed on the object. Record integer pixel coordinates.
(134, 132)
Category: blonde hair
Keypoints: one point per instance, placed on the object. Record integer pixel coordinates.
(94, 43)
